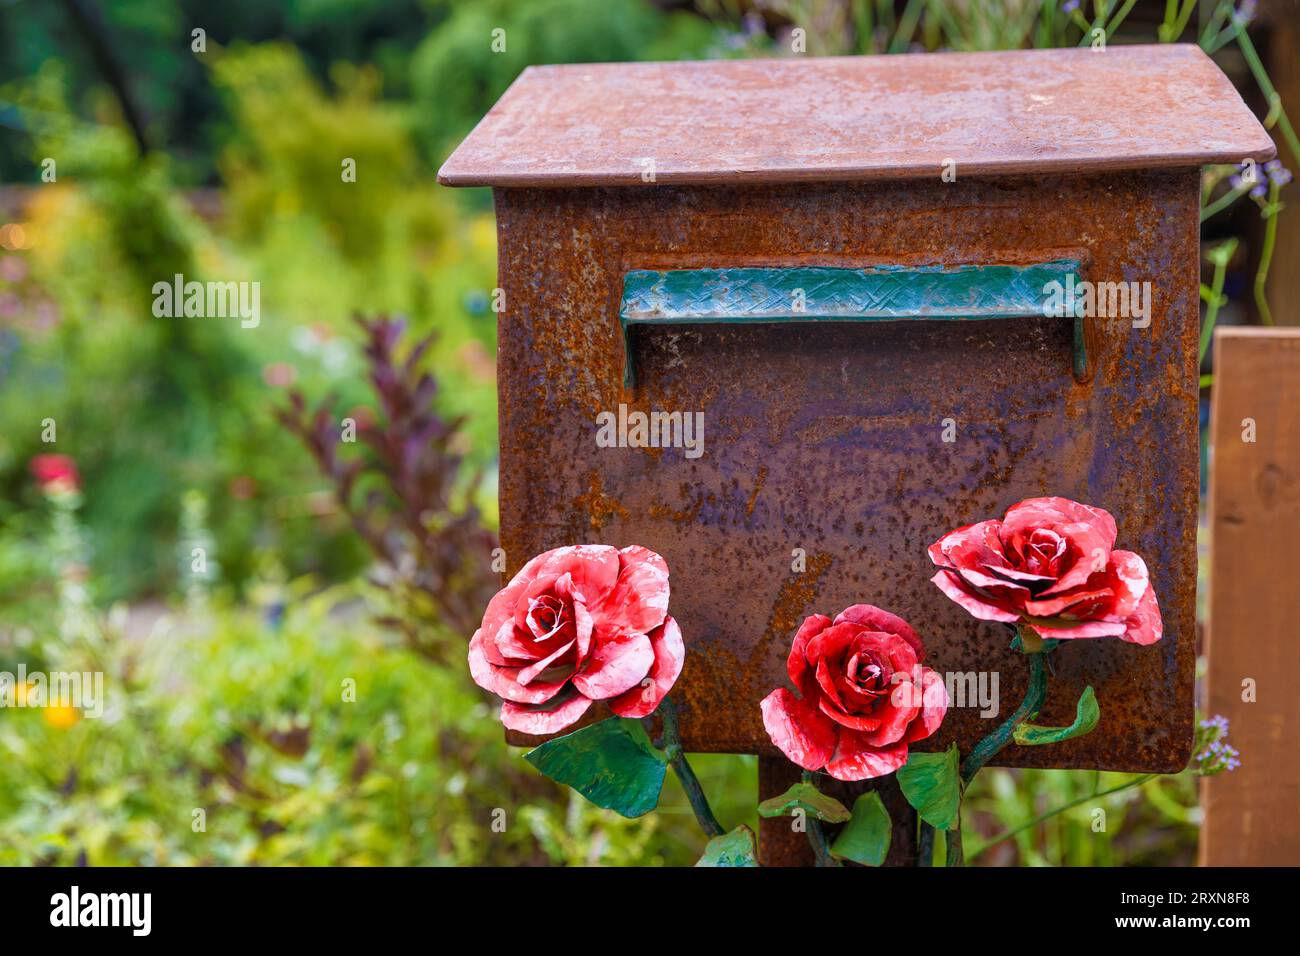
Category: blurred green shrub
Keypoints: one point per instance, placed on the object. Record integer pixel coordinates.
(456, 75)
(293, 150)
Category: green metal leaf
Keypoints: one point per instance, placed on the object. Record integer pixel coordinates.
(612, 763)
(731, 849)
(1086, 715)
(865, 838)
(806, 797)
(932, 785)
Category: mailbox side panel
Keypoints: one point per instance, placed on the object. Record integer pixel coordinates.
(825, 473)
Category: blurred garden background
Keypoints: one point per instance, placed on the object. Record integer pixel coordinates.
(281, 616)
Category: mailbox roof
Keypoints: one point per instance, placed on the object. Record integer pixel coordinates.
(859, 118)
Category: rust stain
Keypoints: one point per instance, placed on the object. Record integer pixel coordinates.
(599, 506)
(758, 488)
(794, 602)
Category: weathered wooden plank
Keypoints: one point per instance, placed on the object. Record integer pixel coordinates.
(1251, 813)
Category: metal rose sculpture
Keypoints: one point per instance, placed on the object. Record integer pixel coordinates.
(1050, 565)
(585, 624)
(589, 624)
(863, 695)
(574, 626)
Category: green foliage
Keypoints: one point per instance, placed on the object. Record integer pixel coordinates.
(1156, 824)
(805, 797)
(612, 763)
(866, 837)
(931, 783)
(278, 169)
(1086, 716)
(456, 75)
(736, 848)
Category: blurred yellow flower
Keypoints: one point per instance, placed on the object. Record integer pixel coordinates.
(62, 717)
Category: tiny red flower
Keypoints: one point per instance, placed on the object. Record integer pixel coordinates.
(577, 625)
(55, 472)
(863, 695)
(1049, 564)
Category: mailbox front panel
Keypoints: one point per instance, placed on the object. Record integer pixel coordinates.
(823, 442)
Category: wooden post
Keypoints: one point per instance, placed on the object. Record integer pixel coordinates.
(1251, 813)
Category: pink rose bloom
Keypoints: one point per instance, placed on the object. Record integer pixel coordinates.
(1050, 565)
(863, 695)
(574, 626)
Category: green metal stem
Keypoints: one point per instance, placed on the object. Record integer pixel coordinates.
(985, 750)
(817, 836)
(925, 846)
(685, 775)
(1035, 693)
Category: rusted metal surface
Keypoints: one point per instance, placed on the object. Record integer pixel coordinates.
(860, 118)
(827, 437)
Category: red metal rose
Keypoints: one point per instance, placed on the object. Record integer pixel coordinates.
(577, 625)
(1049, 564)
(55, 472)
(864, 695)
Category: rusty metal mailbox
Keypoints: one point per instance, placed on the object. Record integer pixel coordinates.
(833, 281)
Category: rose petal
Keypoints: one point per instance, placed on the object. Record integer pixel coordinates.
(896, 714)
(1004, 590)
(635, 554)
(832, 643)
(615, 665)
(1018, 576)
(593, 569)
(892, 649)
(539, 721)
(864, 721)
(1077, 602)
(854, 759)
(1071, 630)
(978, 543)
(515, 647)
(934, 704)
(1090, 533)
(670, 653)
(799, 730)
(503, 681)
(951, 585)
(796, 664)
(876, 619)
(638, 600)
(1145, 626)
(582, 627)
(826, 683)
(531, 672)
(502, 605)
(1127, 577)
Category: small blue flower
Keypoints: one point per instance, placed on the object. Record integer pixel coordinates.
(1213, 753)
(1070, 6)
